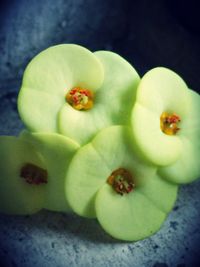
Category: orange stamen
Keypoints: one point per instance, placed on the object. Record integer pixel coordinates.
(169, 123)
(121, 180)
(80, 99)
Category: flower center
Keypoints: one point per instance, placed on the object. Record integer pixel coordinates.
(33, 174)
(80, 98)
(121, 181)
(169, 123)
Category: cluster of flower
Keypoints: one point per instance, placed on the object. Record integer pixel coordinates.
(100, 141)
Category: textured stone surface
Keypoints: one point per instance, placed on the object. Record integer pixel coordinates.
(147, 34)
(55, 239)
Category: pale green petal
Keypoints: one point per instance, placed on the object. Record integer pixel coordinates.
(162, 90)
(48, 78)
(95, 162)
(61, 67)
(190, 125)
(113, 101)
(117, 152)
(57, 151)
(131, 217)
(118, 91)
(39, 110)
(187, 168)
(156, 146)
(87, 173)
(140, 213)
(16, 195)
(161, 193)
(114, 146)
(82, 125)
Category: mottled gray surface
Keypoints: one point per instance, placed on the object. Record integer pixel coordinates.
(147, 34)
(50, 239)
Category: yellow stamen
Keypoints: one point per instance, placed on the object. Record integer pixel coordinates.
(80, 99)
(169, 123)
